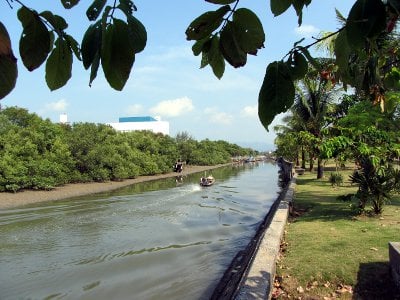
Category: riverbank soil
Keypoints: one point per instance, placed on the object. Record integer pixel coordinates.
(330, 252)
(10, 200)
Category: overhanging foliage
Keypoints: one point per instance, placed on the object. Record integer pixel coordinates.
(228, 33)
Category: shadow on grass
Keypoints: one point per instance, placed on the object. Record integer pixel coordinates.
(374, 281)
(395, 201)
(322, 207)
(317, 200)
(303, 181)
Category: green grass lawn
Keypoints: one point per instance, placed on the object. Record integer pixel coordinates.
(330, 252)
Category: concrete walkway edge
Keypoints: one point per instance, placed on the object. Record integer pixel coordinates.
(257, 282)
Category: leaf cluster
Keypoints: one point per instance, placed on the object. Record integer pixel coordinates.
(359, 58)
(226, 34)
(278, 7)
(110, 41)
(365, 57)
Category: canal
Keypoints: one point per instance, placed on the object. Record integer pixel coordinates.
(169, 239)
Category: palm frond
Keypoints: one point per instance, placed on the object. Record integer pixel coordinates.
(340, 18)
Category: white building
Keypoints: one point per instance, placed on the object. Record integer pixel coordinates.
(63, 118)
(126, 124)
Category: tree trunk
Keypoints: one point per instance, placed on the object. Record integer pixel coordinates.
(320, 171)
(311, 162)
(303, 158)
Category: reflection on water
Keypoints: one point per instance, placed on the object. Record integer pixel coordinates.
(165, 238)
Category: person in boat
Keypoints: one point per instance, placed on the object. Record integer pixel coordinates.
(178, 166)
(207, 181)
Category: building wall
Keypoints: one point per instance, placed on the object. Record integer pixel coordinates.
(154, 126)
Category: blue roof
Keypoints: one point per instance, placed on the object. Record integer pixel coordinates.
(136, 119)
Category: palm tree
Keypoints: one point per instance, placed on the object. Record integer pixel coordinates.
(290, 141)
(314, 96)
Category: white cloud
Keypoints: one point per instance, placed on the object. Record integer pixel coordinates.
(250, 111)
(60, 105)
(173, 108)
(135, 109)
(306, 30)
(218, 117)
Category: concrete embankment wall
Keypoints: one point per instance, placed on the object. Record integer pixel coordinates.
(252, 271)
(257, 283)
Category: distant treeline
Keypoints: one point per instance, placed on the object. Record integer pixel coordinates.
(38, 154)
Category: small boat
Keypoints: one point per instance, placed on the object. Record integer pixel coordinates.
(207, 181)
(250, 159)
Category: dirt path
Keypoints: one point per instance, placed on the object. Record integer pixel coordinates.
(10, 200)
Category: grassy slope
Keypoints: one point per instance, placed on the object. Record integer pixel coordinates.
(330, 252)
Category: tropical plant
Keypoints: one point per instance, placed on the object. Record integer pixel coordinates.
(376, 183)
(336, 179)
(373, 147)
(314, 96)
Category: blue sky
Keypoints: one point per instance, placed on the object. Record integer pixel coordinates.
(166, 79)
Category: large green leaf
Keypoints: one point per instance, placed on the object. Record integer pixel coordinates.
(205, 24)
(58, 23)
(94, 68)
(127, 6)
(197, 47)
(95, 9)
(230, 47)
(310, 59)
(280, 6)
(298, 65)
(215, 58)
(250, 32)
(34, 45)
(204, 60)
(204, 52)
(298, 6)
(137, 33)
(69, 3)
(392, 79)
(342, 54)
(73, 44)
(117, 54)
(91, 44)
(5, 41)
(59, 65)
(392, 101)
(8, 64)
(367, 18)
(8, 75)
(276, 94)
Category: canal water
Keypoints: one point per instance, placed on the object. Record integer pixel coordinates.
(165, 239)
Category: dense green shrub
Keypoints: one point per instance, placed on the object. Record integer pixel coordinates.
(38, 154)
(336, 179)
